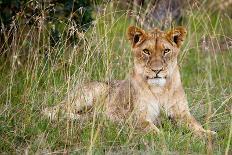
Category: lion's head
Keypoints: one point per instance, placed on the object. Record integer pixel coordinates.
(155, 52)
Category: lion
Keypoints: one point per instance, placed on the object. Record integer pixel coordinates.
(153, 86)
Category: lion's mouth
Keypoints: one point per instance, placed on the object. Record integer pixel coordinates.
(155, 77)
(156, 80)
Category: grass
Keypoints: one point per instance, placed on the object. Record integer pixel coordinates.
(104, 53)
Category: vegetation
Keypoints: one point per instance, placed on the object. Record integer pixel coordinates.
(37, 73)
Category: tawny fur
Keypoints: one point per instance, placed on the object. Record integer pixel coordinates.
(154, 85)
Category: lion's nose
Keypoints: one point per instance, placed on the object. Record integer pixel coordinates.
(157, 71)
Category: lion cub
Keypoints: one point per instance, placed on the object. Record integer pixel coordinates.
(154, 85)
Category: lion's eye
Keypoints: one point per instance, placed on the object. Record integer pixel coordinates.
(146, 51)
(167, 50)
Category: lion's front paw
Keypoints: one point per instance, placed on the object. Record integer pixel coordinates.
(210, 132)
(204, 133)
(154, 128)
(50, 113)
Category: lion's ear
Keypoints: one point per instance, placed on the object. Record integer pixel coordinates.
(177, 35)
(135, 35)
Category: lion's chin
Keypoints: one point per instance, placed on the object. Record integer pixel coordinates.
(157, 81)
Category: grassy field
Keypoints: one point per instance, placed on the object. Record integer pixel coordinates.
(104, 54)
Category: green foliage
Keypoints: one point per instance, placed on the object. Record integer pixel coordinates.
(78, 11)
(8, 9)
(55, 16)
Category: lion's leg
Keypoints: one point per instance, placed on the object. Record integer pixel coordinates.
(147, 124)
(71, 107)
(186, 118)
(80, 100)
(153, 127)
(180, 112)
(60, 111)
